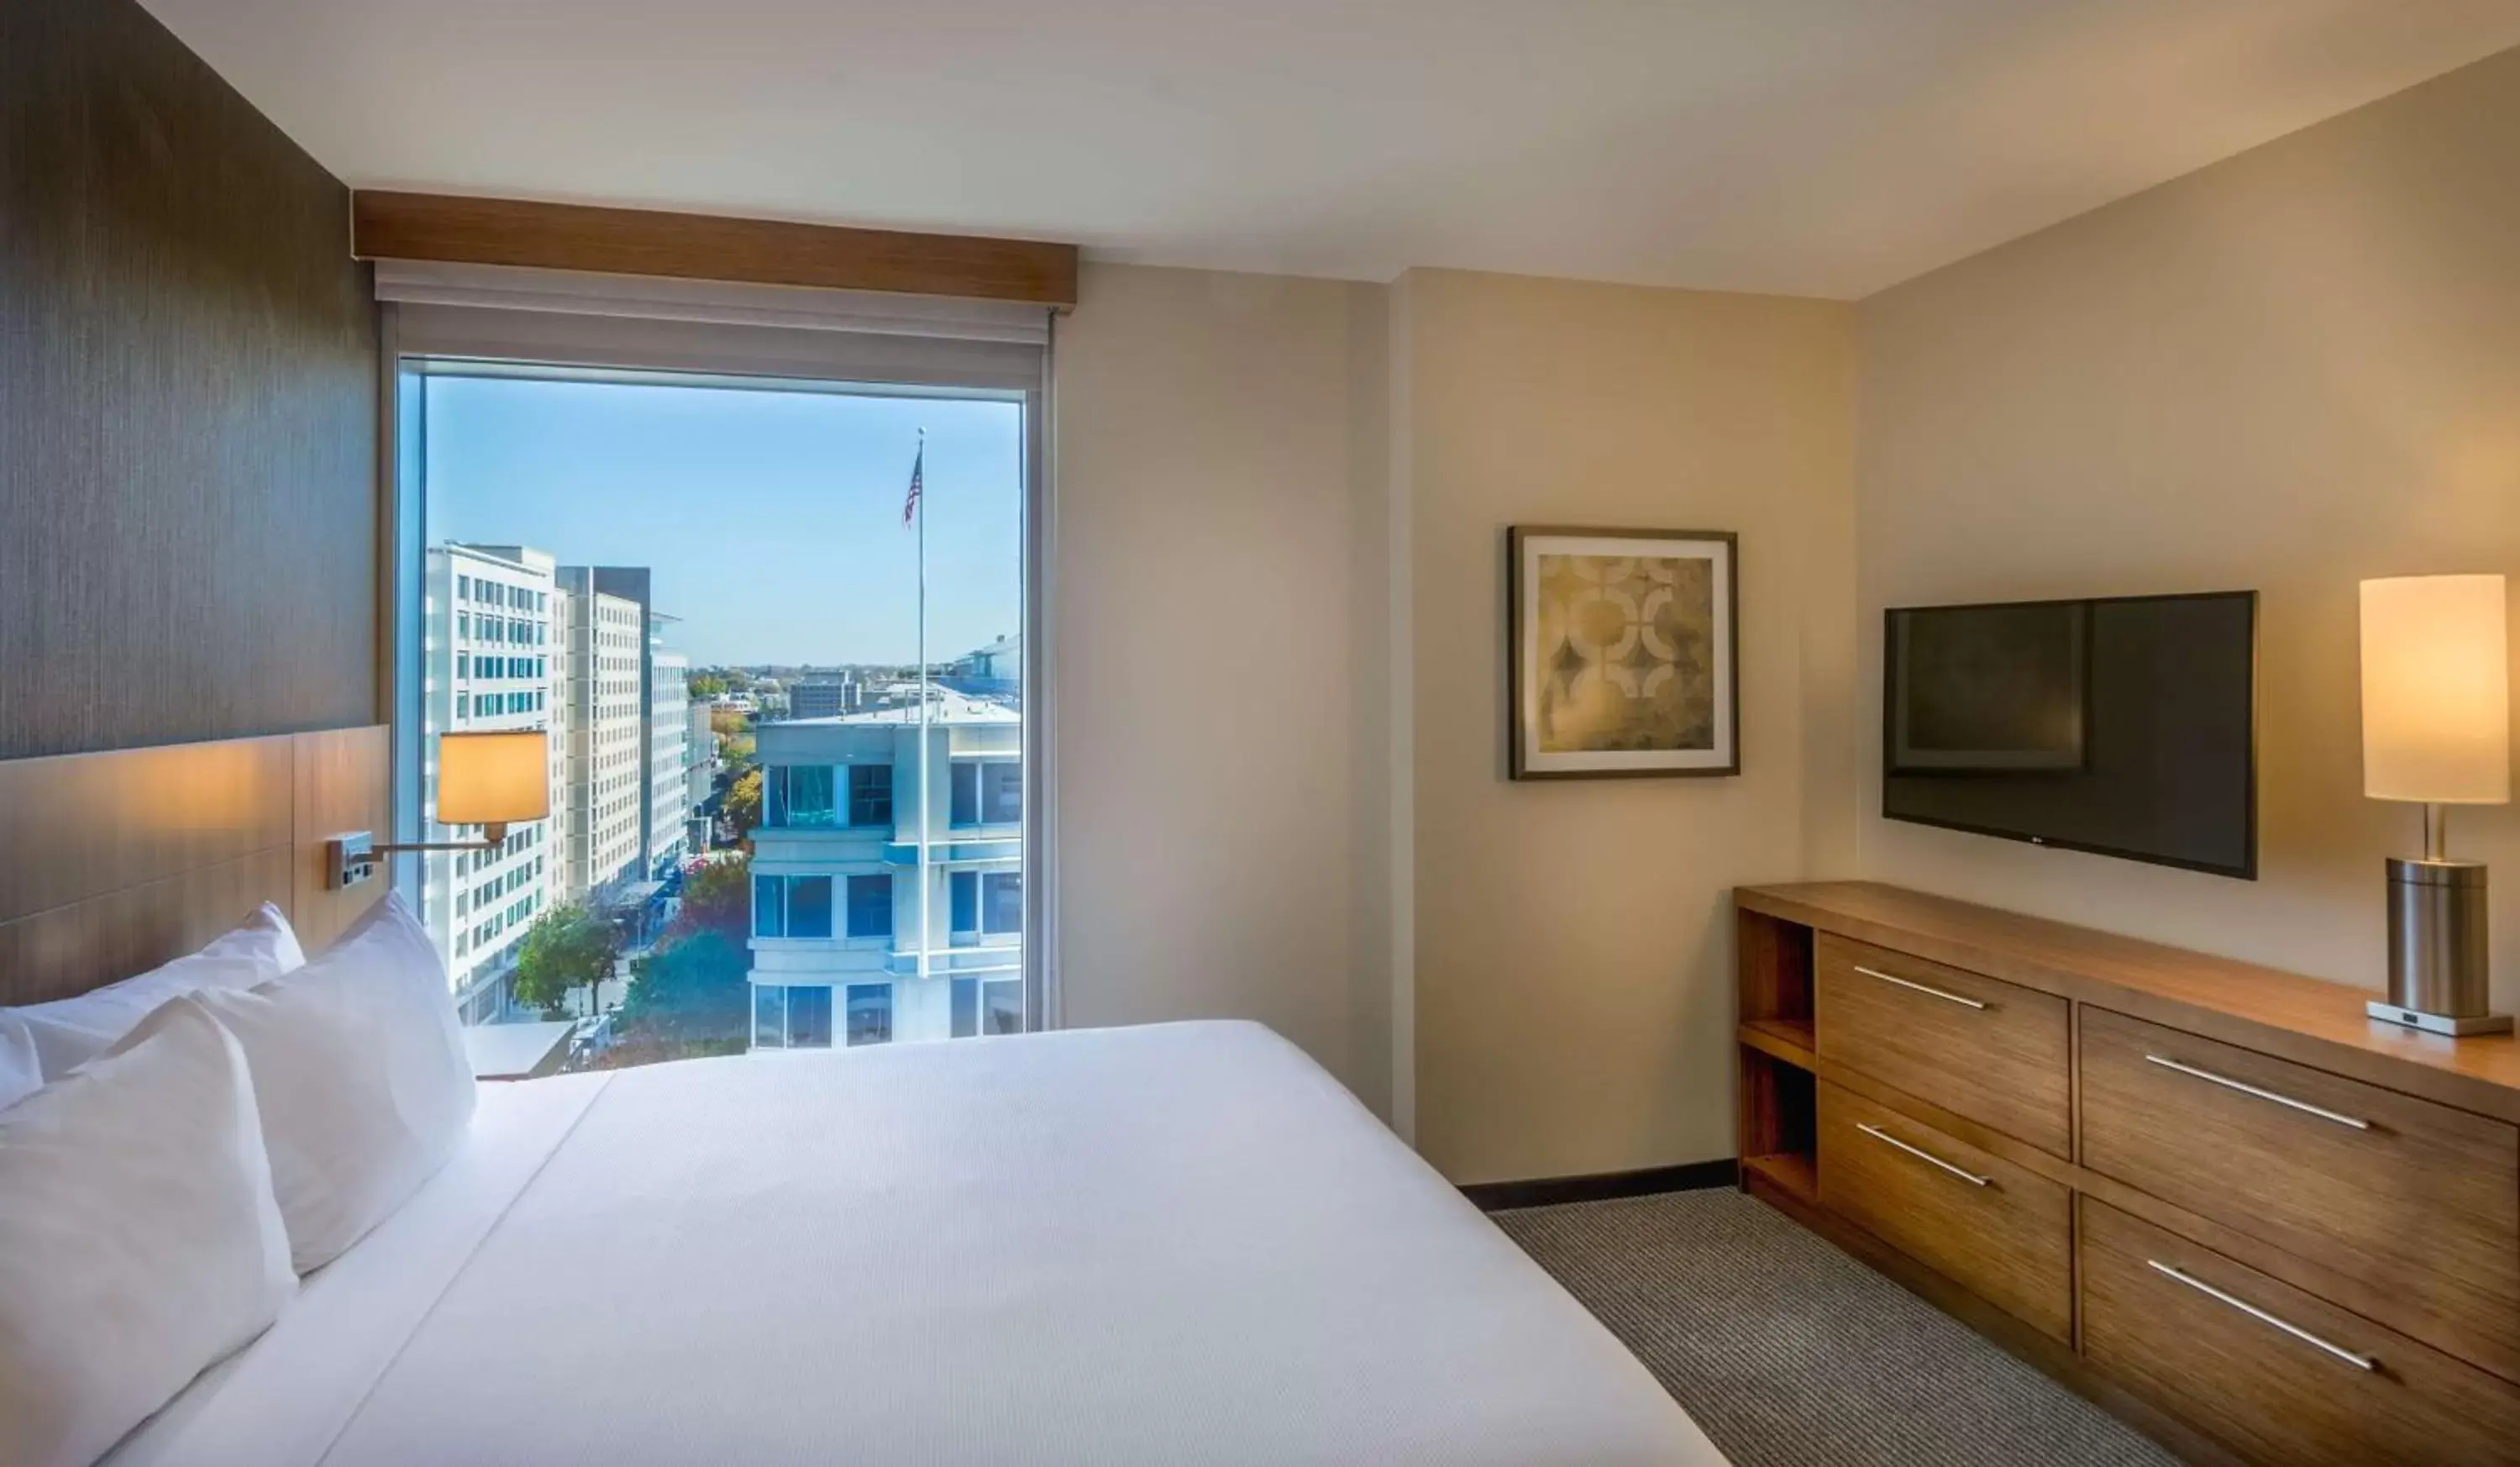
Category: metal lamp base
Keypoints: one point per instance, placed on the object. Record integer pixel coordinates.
(2439, 958)
(2439, 1024)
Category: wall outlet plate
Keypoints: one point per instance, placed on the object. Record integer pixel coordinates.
(349, 860)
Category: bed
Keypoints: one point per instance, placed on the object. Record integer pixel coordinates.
(1173, 1244)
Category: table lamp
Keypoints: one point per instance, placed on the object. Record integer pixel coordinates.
(491, 779)
(2437, 731)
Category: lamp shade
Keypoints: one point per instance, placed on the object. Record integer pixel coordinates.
(2436, 690)
(493, 778)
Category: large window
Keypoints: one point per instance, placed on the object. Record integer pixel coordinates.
(799, 795)
(987, 1007)
(1002, 902)
(870, 795)
(792, 907)
(965, 920)
(1000, 791)
(791, 1017)
(870, 1013)
(987, 792)
(745, 641)
(871, 907)
(809, 907)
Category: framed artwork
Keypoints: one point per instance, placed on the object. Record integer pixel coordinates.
(1622, 646)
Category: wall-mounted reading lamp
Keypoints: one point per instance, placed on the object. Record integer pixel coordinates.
(492, 780)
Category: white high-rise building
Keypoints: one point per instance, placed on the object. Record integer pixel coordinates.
(489, 664)
(601, 830)
(669, 724)
(699, 754)
(840, 954)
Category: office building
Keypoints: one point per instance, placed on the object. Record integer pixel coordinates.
(489, 665)
(602, 829)
(862, 932)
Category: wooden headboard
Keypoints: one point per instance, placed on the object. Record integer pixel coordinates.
(111, 863)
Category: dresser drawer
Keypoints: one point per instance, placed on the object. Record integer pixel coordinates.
(2417, 1200)
(2277, 1374)
(1991, 1051)
(2003, 1233)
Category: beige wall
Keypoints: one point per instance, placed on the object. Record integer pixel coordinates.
(1573, 995)
(1216, 600)
(2290, 371)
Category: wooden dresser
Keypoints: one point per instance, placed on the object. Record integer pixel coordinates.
(2215, 1198)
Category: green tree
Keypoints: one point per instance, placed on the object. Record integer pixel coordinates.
(717, 897)
(569, 946)
(743, 808)
(689, 990)
(707, 684)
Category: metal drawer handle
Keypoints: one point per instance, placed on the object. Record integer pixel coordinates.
(2359, 1361)
(1970, 1178)
(1946, 996)
(2228, 1083)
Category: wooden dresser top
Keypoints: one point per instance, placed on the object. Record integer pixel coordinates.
(2303, 1019)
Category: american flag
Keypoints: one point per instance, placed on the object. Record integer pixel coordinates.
(917, 471)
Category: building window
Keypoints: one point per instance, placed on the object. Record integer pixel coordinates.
(1002, 1007)
(1002, 902)
(869, 1014)
(871, 907)
(1000, 793)
(769, 1017)
(809, 795)
(809, 1019)
(994, 1007)
(964, 806)
(962, 888)
(869, 793)
(809, 907)
(770, 906)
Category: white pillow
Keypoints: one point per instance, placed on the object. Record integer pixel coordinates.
(22, 1071)
(71, 1032)
(364, 1084)
(139, 1242)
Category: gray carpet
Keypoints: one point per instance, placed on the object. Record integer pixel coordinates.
(1790, 1353)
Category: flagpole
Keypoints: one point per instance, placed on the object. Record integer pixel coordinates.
(919, 471)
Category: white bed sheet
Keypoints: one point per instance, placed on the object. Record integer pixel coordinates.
(283, 1398)
(1177, 1244)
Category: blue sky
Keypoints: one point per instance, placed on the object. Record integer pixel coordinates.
(772, 519)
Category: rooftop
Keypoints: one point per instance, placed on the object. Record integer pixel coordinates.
(945, 705)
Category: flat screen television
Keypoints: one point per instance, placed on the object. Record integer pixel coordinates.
(2126, 725)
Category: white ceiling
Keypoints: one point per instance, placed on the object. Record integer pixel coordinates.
(1812, 147)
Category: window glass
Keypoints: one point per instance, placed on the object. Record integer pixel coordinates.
(1000, 791)
(1004, 1002)
(870, 1013)
(869, 793)
(770, 906)
(809, 1018)
(809, 907)
(965, 886)
(871, 907)
(676, 632)
(1002, 899)
(809, 794)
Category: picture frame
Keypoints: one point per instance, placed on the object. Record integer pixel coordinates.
(1623, 651)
